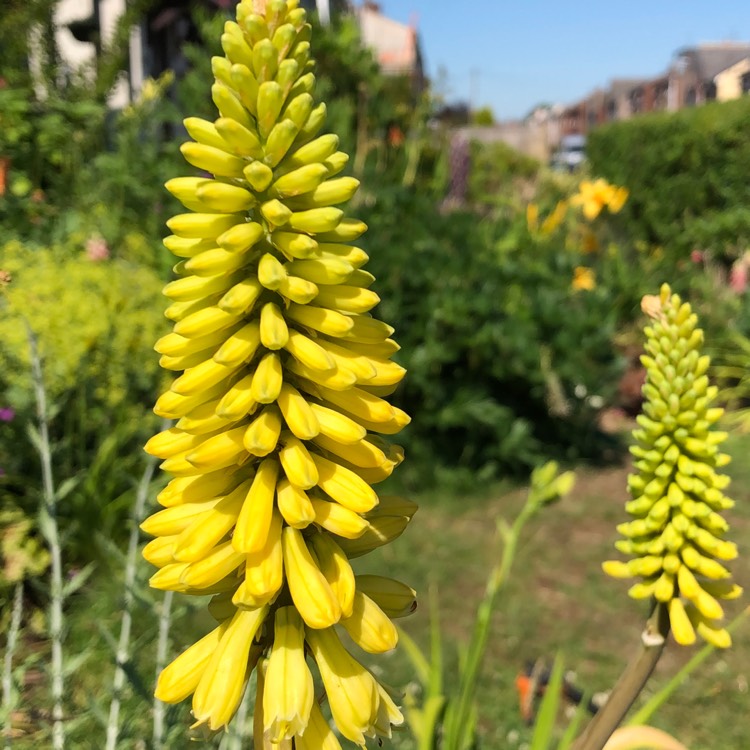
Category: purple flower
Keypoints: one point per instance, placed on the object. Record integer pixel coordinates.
(7, 414)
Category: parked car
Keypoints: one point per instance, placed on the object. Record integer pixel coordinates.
(570, 153)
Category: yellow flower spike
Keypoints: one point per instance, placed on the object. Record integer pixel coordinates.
(181, 677)
(254, 520)
(267, 379)
(219, 691)
(274, 333)
(262, 435)
(318, 735)
(169, 578)
(299, 467)
(197, 488)
(337, 426)
(336, 569)
(176, 519)
(159, 551)
(677, 532)
(298, 413)
(339, 520)
(264, 570)
(396, 599)
(294, 505)
(217, 565)
(207, 530)
(281, 379)
(351, 690)
(681, 626)
(288, 692)
(379, 531)
(310, 591)
(369, 627)
(388, 714)
(344, 486)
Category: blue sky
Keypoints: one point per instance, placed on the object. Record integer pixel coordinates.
(511, 55)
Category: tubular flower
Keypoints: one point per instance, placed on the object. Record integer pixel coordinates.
(279, 400)
(675, 539)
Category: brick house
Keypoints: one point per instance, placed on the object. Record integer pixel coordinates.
(692, 77)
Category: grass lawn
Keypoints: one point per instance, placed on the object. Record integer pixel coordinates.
(558, 601)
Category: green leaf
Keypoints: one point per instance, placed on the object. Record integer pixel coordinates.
(416, 657)
(547, 715)
(571, 731)
(75, 583)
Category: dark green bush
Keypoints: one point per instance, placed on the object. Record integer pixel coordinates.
(503, 356)
(680, 169)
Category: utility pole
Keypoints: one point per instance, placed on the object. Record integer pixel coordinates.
(324, 11)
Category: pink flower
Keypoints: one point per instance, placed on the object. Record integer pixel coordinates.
(97, 249)
(7, 414)
(738, 276)
(696, 256)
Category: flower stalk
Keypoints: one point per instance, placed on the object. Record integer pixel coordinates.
(122, 654)
(630, 684)
(10, 650)
(49, 528)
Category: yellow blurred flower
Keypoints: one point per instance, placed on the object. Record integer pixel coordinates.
(583, 279)
(532, 217)
(555, 218)
(617, 201)
(593, 197)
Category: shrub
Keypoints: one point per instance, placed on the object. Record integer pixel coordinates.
(503, 356)
(679, 167)
(95, 322)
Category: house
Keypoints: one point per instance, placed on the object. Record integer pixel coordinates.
(395, 45)
(692, 77)
(733, 82)
(83, 28)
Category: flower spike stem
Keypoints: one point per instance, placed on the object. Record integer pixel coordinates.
(10, 650)
(629, 686)
(162, 646)
(48, 526)
(123, 646)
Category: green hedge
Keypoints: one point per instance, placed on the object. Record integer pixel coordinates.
(680, 168)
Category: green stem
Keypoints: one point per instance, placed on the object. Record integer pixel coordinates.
(10, 650)
(498, 577)
(660, 698)
(50, 529)
(630, 684)
(123, 645)
(162, 644)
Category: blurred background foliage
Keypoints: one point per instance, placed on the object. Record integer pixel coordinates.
(510, 360)
(518, 316)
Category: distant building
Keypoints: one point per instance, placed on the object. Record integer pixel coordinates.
(395, 45)
(692, 77)
(733, 82)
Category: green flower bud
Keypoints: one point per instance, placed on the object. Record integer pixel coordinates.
(675, 538)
